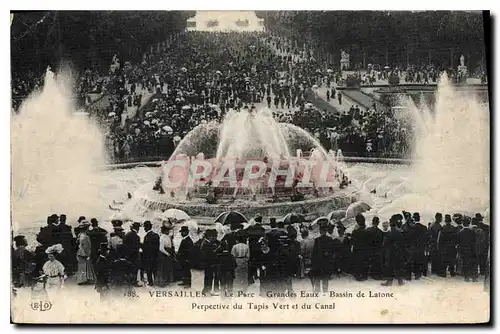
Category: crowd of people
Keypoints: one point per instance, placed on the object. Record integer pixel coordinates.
(241, 253)
(196, 77)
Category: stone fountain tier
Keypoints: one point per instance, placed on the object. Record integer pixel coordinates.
(153, 201)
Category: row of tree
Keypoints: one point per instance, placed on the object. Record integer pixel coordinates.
(88, 38)
(445, 34)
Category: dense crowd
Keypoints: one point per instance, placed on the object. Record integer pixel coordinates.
(147, 108)
(241, 252)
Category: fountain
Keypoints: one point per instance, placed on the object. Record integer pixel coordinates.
(57, 156)
(247, 136)
(451, 165)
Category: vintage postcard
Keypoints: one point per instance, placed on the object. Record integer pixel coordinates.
(250, 167)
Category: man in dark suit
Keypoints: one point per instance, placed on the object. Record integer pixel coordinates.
(183, 257)
(392, 254)
(435, 254)
(97, 236)
(408, 229)
(420, 265)
(66, 239)
(376, 238)
(132, 245)
(360, 249)
(483, 252)
(322, 260)
(150, 248)
(447, 241)
(467, 250)
(209, 261)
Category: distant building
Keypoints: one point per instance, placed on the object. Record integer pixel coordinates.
(244, 20)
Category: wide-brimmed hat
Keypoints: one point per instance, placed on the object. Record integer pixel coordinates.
(84, 223)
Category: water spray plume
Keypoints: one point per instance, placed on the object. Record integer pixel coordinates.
(56, 156)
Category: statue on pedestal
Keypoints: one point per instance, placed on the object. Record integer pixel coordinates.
(462, 60)
(344, 61)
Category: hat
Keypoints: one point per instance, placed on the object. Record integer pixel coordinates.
(57, 248)
(478, 217)
(19, 237)
(118, 228)
(81, 218)
(116, 223)
(184, 229)
(84, 223)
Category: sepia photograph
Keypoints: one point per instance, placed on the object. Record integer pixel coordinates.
(250, 167)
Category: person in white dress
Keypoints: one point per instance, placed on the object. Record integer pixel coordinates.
(241, 253)
(54, 272)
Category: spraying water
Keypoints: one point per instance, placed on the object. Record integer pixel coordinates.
(253, 135)
(56, 157)
(451, 168)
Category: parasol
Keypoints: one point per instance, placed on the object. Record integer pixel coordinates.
(294, 218)
(192, 226)
(356, 208)
(336, 215)
(231, 217)
(320, 221)
(168, 128)
(175, 214)
(186, 107)
(112, 114)
(329, 70)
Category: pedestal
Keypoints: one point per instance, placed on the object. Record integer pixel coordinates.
(344, 64)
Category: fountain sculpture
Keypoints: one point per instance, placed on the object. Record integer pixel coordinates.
(250, 143)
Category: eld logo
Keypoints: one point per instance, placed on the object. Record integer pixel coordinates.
(41, 306)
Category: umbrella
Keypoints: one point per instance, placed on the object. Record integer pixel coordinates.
(218, 72)
(294, 218)
(231, 217)
(175, 214)
(387, 67)
(192, 226)
(315, 86)
(186, 107)
(183, 69)
(329, 70)
(336, 215)
(111, 114)
(168, 128)
(356, 208)
(321, 220)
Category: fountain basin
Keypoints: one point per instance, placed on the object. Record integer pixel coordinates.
(150, 200)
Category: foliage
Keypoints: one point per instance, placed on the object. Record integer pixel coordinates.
(89, 38)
